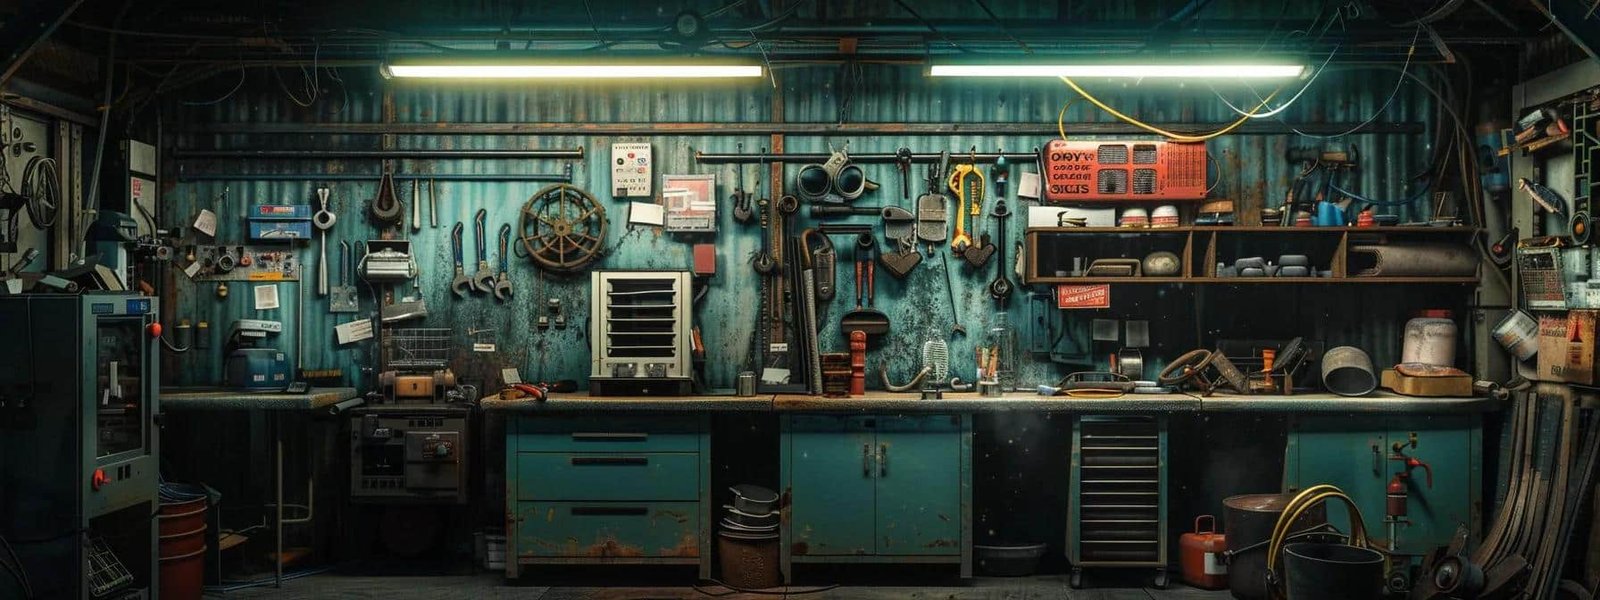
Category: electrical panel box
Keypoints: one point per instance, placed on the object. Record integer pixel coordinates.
(630, 170)
(639, 334)
(1077, 171)
(410, 454)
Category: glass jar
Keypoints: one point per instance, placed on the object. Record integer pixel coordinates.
(997, 355)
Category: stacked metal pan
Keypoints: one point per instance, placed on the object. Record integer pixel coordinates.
(753, 515)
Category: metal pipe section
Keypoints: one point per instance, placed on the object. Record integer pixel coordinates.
(880, 158)
(562, 177)
(770, 128)
(189, 154)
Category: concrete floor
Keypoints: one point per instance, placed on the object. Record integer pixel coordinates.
(493, 586)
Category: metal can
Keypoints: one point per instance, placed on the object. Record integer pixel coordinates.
(745, 386)
(1201, 555)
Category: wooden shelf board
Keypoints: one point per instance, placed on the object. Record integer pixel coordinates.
(1253, 280)
(1255, 229)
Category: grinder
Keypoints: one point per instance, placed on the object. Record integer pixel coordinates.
(250, 365)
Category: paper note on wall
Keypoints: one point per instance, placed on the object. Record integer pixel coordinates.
(266, 296)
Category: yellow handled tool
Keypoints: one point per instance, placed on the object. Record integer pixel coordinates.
(967, 182)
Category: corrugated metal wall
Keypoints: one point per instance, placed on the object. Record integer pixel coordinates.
(1253, 169)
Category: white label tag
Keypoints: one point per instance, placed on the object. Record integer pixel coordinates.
(777, 348)
(645, 213)
(1214, 564)
(267, 297)
(510, 376)
(775, 376)
(354, 331)
(1028, 185)
(206, 222)
(192, 269)
(477, 347)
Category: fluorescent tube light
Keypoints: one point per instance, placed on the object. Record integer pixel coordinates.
(1131, 71)
(570, 71)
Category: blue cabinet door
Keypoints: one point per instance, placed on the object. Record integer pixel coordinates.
(831, 469)
(1347, 452)
(919, 471)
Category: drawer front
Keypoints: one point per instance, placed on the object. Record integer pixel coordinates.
(608, 476)
(619, 530)
(608, 434)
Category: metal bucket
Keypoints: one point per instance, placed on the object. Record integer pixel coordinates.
(1247, 526)
(1332, 572)
(1347, 371)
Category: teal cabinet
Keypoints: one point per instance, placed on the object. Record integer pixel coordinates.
(1357, 455)
(877, 488)
(591, 490)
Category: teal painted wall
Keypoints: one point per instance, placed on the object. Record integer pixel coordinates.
(1253, 169)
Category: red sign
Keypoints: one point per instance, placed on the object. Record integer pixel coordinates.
(1083, 296)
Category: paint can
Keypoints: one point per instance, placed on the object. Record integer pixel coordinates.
(1430, 339)
(1518, 333)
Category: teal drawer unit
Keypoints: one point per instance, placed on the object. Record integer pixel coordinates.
(1363, 454)
(877, 488)
(597, 490)
(1117, 507)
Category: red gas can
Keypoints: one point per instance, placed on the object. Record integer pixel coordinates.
(1201, 555)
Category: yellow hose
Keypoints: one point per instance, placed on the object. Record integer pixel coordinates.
(1179, 137)
(1305, 500)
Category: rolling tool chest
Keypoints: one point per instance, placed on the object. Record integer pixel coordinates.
(607, 490)
(1118, 511)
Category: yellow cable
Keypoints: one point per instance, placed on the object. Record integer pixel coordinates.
(1179, 137)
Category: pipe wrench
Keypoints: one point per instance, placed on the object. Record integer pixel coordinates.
(502, 282)
(483, 279)
(967, 182)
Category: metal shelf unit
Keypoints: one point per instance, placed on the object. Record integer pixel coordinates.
(1117, 516)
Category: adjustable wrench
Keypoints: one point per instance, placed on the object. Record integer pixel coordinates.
(958, 184)
(741, 197)
(484, 278)
(502, 282)
(461, 284)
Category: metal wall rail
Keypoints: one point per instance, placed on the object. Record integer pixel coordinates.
(192, 154)
(772, 128)
(565, 176)
(879, 157)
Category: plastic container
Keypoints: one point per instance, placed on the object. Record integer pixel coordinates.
(1430, 339)
(1332, 572)
(183, 576)
(1201, 555)
(1518, 333)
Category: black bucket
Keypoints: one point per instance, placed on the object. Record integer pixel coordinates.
(1332, 572)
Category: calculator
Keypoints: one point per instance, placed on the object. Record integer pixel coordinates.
(1540, 272)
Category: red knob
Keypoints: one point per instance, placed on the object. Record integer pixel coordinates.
(99, 480)
(154, 329)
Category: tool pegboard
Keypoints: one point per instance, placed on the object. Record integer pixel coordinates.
(241, 263)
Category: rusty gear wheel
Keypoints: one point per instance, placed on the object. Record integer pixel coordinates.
(563, 229)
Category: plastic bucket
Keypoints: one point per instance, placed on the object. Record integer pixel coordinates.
(1347, 371)
(181, 544)
(183, 577)
(183, 517)
(1332, 572)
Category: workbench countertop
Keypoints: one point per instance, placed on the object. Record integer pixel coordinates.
(212, 398)
(966, 402)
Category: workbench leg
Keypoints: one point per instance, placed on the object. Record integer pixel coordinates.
(277, 559)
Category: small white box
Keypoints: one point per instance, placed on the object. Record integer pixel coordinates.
(631, 172)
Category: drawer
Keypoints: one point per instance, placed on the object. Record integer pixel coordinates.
(621, 530)
(609, 434)
(608, 476)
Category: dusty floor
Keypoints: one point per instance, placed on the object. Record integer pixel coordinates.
(492, 586)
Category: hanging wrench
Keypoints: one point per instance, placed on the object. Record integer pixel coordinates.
(957, 184)
(741, 197)
(502, 282)
(484, 278)
(461, 284)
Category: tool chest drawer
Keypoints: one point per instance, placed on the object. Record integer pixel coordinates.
(1118, 515)
(601, 530)
(608, 434)
(608, 476)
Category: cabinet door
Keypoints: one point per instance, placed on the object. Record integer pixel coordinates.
(1452, 446)
(919, 485)
(830, 468)
(1348, 452)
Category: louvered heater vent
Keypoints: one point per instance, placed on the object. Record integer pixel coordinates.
(640, 324)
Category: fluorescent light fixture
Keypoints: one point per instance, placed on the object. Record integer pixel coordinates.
(512, 70)
(1128, 71)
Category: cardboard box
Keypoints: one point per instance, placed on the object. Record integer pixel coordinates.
(1566, 347)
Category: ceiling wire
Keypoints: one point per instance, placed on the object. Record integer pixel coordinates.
(925, 23)
(997, 23)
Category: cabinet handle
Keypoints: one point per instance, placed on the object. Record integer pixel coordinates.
(866, 460)
(609, 511)
(610, 437)
(579, 461)
(1377, 460)
(883, 460)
